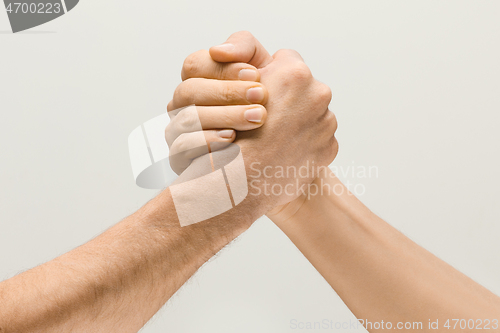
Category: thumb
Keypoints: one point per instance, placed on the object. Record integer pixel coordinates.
(241, 46)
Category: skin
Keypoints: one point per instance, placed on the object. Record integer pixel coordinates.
(295, 103)
(380, 274)
(119, 280)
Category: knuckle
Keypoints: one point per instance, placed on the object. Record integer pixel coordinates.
(324, 94)
(300, 72)
(330, 150)
(332, 121)
(182, 94)
(335, 125)
(288, 53)
(243, 34)
(221, 71)
(334, 148)
(229, 94)
(169, 134)
(185, 121)
(192, 64)
(280, 52)
(170, 106)
(180, 146)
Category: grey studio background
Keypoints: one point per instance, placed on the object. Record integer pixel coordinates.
(416, 93)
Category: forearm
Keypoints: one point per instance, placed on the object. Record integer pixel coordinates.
(119, 280)
(378, 272)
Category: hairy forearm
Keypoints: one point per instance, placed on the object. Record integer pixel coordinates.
(378, 272)
(119, 280)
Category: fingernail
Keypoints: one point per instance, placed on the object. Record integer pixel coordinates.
(254, 115)
(225, 47)
(248, 75)
(255, 95)
(225, 134)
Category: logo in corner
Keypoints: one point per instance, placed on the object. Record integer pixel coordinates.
(26, 14)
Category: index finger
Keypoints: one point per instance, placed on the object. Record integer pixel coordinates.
(201, 65)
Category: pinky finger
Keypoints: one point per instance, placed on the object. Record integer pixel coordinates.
(189, 146)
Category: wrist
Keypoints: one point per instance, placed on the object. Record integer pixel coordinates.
(302, 210)
(325, 191)
(333, 204)
(160, 216)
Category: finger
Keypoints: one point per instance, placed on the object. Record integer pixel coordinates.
(290, 63)
(189, 146)
(200, 64)
(241, 46)
(218, 92)
(237, 117)
(170, 106)
(197, 118)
